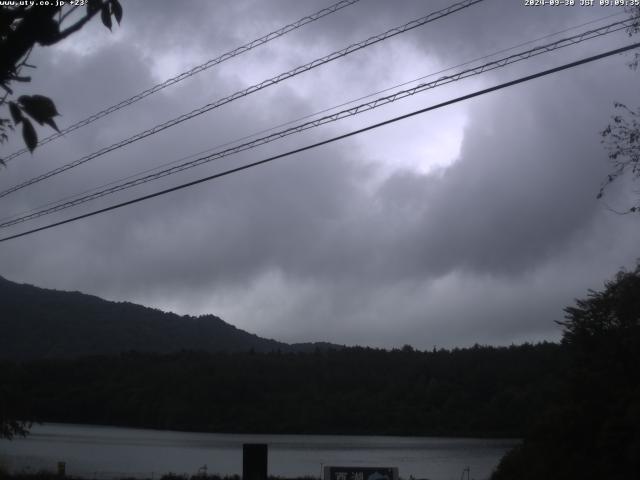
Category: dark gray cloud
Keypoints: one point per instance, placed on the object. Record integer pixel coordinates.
(373, 240)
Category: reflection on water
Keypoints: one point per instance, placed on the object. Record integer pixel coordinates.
(99, 452)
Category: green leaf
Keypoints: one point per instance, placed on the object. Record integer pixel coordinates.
(29, 134)
(105, 14)
(16, 114)
(40, 108)
(116, 9)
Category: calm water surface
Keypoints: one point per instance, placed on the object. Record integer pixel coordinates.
(108, 452)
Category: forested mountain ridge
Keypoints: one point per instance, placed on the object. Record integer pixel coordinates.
(71, 357)
(43, 323)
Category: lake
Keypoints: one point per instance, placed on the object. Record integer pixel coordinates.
(109, 452)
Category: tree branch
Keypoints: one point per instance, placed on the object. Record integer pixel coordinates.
(69, 12)
(78, 25)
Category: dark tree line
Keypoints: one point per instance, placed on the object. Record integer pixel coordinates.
(481, 391)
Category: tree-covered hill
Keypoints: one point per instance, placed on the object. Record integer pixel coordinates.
(71, 357)
(42, 323)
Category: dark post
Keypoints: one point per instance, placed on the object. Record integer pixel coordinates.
(254, 461)
(62, 469)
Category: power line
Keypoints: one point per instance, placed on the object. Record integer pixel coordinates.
(311, 115)
(330, 140)
(252, 89)
(573, 40)
(330, 118)
(193, 71)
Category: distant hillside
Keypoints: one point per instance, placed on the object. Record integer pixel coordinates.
(41, 323)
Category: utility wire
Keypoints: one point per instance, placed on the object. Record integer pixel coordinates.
(311, 115)
(573, 40)
(193, 71)
(252, 89)
(330, 140)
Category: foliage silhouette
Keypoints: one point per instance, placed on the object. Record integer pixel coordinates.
(622, 136)
(592, 428)
(22, 27)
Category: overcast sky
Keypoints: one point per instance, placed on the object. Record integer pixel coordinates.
(476, 222)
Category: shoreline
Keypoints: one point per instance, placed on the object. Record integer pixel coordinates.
(453, 436)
